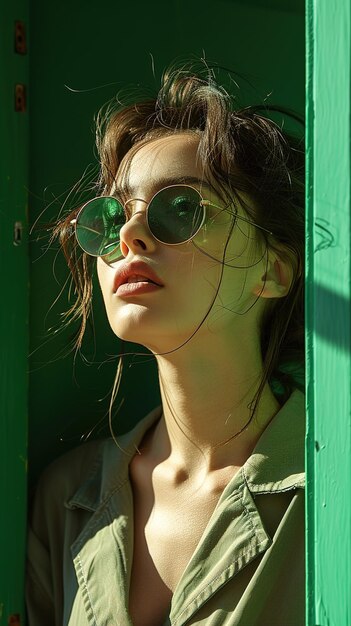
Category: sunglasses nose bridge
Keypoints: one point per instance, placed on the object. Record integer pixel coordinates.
(135, 233)
(131, 206)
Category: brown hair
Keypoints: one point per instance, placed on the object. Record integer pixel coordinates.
(244, 151)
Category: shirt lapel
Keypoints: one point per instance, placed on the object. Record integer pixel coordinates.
(233, 538)
(102, 557)
(102, 554)
(235, 535)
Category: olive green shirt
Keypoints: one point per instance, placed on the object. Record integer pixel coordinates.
(247, 570)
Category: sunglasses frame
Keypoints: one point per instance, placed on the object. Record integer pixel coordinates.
(203, 203)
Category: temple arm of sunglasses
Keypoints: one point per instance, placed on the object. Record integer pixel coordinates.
(245, 219)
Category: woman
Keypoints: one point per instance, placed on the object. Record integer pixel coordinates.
(196, 516)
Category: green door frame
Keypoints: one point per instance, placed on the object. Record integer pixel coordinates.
(14, 307)
(328, 316)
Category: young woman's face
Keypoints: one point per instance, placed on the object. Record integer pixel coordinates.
(164, 315)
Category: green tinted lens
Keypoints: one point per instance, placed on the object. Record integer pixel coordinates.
(175, 214)
(99, 224)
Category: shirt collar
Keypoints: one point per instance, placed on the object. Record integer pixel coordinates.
(276, 464)
(110, 468)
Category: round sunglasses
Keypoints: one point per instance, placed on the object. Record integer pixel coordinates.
(174, 216)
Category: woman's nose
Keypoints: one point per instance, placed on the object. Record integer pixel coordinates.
(135, 235)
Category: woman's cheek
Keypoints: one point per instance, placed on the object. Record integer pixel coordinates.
(106, 276)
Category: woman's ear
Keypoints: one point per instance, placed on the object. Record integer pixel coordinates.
(275, 282)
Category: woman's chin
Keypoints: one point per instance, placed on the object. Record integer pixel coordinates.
(156, 342)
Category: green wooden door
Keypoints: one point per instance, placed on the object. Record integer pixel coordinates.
(13, 306)
(328, 294)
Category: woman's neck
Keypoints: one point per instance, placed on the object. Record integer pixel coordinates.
(206, 403)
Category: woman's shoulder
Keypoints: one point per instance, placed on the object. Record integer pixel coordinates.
(93, 465)
(63, 476)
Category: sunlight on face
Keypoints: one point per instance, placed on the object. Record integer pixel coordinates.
(211, 277)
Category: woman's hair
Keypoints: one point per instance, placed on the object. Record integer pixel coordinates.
(244, 151)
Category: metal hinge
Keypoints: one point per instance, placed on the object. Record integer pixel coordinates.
(20, 98)
(20, 48)
(20, 38)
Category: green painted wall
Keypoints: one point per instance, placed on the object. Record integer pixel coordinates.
(329, 314)
(13, 314)
(97, 49)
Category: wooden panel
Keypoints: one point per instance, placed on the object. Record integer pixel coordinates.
(328, 314)
(14, 306)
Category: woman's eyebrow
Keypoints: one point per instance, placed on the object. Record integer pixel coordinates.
(157, 184)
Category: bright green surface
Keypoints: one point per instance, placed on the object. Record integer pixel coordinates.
(328, 315)
(13, 317)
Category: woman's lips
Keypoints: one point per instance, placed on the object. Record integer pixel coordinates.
(137, 288)
(135, 277)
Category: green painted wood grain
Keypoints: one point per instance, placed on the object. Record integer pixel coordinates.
(328, 314)
(13, 317)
